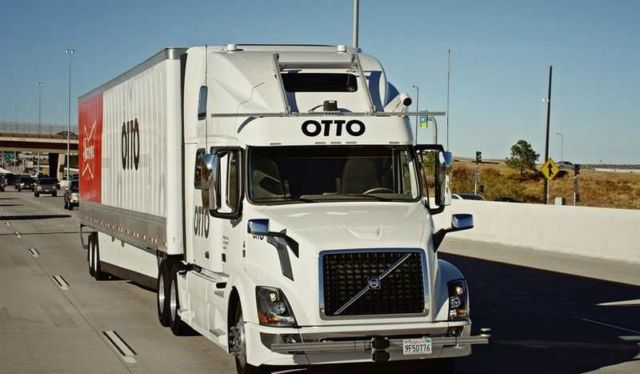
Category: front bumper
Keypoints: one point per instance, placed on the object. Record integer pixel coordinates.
(351, 344)
(367, 345)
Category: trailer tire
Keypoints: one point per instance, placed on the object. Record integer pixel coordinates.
(162, 301)
(98, 274)
(240, 344)
(90, 254)
(178, 326)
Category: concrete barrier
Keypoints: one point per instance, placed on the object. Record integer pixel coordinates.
(612, 234)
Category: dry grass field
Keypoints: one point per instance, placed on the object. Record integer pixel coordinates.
(597, 188)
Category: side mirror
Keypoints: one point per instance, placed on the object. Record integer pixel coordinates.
(459, 222)
(443, 178)
(210, 178)
(463, 221)
(436, 163)
(258, 227)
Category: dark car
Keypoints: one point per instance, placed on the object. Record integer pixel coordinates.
(9, 180)
(72, 195)
(467, 196)
(24, 182)
(45, 185)
(508, 199)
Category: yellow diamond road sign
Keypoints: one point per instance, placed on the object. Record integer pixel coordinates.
(549, 169)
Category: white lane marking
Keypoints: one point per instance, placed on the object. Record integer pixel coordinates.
(120, 346)
(634, 302)
(18, 235)
(7, 223)
(61, 282)
(609, 325)
(34, 252)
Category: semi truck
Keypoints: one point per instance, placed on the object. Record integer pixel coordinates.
(276, 199)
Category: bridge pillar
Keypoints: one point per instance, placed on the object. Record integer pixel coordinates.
(54, 165)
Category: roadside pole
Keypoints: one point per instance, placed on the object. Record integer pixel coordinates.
(477, 174)
(546, 144)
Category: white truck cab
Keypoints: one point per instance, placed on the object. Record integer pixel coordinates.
(299, 231)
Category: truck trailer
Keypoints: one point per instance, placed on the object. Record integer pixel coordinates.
(277, 200)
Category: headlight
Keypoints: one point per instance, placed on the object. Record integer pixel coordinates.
(273, 308)
(458, 299)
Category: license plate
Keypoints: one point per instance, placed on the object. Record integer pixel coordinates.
(421, 346)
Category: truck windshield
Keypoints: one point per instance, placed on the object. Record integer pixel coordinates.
(326, 173)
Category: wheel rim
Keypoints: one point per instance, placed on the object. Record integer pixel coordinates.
(173, 301)
(161, 295)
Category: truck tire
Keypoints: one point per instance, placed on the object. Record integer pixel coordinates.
(162, 301)
(239, 344)
(90, 254)
(178, 326)
(55, 194)
(98, 274)
(36, 194)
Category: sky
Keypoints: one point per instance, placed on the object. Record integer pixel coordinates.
(501, 53)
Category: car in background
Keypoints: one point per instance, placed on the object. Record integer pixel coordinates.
(466, 196)
(45, 185)
(65, 183)
(72, 195)
(565, 165)
(9, 178)
(508, 199)
(24, 182)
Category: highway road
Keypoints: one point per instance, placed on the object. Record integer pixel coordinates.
(549, 313)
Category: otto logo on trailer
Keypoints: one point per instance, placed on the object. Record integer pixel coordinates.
(130, 150)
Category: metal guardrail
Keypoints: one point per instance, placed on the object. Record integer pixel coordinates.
(47, 130)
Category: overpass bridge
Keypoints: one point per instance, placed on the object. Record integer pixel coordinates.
(50, 139)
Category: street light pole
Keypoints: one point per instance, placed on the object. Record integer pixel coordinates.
(546, 144)
(15, 124)
(417, 108)
(69, 52)
(561, 145)
(40, 85)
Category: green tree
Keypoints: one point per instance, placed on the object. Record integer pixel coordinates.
(523, 157)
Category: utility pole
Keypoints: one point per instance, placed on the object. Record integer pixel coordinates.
(69, 52)
(546, 144)
(39, 84)
(356, 22)
(417, 109)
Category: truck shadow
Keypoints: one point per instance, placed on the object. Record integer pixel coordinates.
(547, 322)
(31, 217)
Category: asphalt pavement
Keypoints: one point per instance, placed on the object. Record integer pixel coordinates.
(549, 313)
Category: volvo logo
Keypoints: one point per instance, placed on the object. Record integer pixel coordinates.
(374, 283)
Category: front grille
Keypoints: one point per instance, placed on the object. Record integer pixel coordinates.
(345, 274)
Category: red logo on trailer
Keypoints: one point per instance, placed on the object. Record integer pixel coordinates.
(90, 148)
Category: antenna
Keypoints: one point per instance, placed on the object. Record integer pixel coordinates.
(356, 22)
(448, 83)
